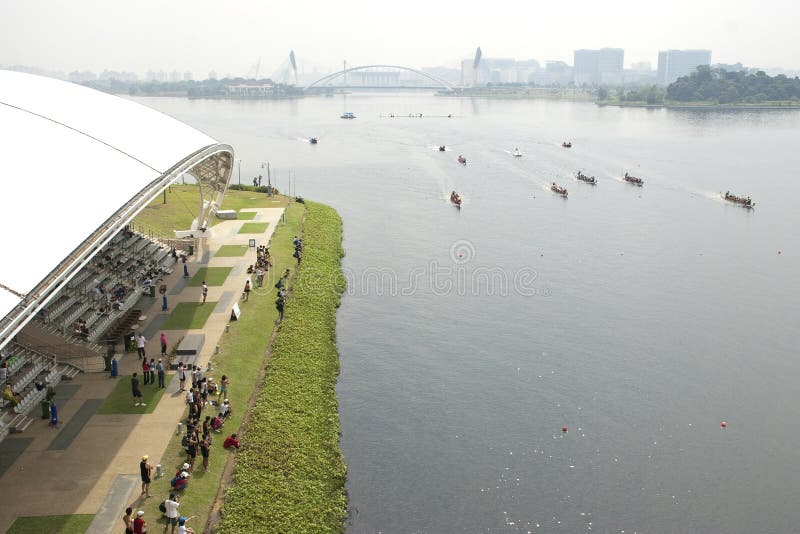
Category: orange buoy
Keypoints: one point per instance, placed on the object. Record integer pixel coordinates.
(563, 429)
(724, 424)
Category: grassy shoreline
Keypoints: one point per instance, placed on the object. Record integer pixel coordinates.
(289, 475)
(701, 105)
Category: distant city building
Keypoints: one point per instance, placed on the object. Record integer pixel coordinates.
(81, 76)
(187, 76)
(599, 66)
(497, 70)
(672, 64)
(554, 73)
(120, 76)
(643, 66)
(735, 67)
(212, 75)
(250, 90)
(174, 76)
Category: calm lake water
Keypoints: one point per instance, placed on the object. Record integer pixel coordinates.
(637, 318)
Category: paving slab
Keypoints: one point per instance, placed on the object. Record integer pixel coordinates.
(114, 504)
(76, 423)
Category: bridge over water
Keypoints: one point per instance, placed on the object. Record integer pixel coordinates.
(379, 77)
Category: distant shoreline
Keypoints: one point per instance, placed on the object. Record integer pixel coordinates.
(699, 106)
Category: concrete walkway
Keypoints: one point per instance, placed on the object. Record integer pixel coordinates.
(94, 465)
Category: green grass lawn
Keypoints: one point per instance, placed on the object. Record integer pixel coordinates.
(246, 215)
(253, 228)
(242, 353)
(61, 524)
(231, 251)
(181, 208)
(289, 474)
(214, 276)
(120, 400)
(189, 315)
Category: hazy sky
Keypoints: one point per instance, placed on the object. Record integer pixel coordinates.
(230, 36)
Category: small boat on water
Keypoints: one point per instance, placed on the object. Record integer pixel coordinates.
(442, 148)
(567, 144)
(455, 198)
(517, 153)
(744, 202)
(633, 180)
(313, 140)
(558, 190)
(462, 160)
(348, 115)
(583, 178)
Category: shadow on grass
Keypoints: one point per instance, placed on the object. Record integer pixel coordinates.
(120, 400)
(189, 315)
(213, 276)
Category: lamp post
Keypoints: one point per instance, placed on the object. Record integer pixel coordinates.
(239, 163)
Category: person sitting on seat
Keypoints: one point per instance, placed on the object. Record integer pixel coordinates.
(231, 442)
(10, 395)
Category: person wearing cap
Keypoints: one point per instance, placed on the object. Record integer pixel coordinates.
(180, 481)
(139, 524)
(171, 506)
(146, 470)
(182, 528)
(226, 409)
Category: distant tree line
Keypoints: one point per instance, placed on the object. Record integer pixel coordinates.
(718, 85)
(191, 88)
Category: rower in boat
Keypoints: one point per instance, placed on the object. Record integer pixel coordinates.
(744, 202)
(557, 189)
(567, 144)
(313, 141)
(517, 153)
(462, 160)
(442, 148)
(633, 180)
(583, 178)
(455, 198)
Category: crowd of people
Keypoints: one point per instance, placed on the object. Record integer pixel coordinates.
(202, 394)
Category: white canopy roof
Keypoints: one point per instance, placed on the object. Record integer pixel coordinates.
(72, 158)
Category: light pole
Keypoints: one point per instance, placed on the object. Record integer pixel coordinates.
(239, 162)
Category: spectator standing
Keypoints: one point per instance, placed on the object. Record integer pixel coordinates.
(205, 449)
(246, 294)
(223, 387)
(160, 369)
(127, 520)
(171, 505)
(140, 343)
(145, 371)
(146, 471)
(163, 345)
(152, 368)
(205, 291)
(182, 376)
(137, 393)
(139, 524)
(194, 377)
(280, 304)
(259, 277)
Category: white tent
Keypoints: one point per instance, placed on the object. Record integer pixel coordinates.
(78, 165)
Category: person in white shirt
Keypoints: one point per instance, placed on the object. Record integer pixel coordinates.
(182, 528)
(171, 505)
(140, 342)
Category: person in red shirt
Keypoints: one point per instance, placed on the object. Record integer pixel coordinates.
(146, 371)
(139, 524)
(231, 442)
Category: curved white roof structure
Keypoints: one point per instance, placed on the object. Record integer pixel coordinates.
(78, 165)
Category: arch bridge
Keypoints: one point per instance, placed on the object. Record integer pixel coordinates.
(382, 79)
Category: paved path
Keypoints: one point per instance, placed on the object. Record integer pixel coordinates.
(87, 465)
